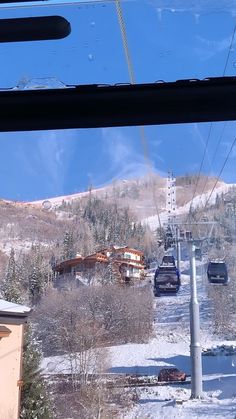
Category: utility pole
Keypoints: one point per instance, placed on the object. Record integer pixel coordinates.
(178, 248)
(195, 347)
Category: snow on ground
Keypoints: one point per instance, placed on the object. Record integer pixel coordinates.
(169, 346)
(56, 201)
(60, 364)
(198, 201)
(8, 307)
(19, 246)
(219, 350)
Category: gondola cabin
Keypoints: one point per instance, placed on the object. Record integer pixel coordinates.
(166, 280)
(217, 272)
(198, 253)
(168, 260)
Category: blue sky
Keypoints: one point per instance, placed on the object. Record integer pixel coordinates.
(169, 44)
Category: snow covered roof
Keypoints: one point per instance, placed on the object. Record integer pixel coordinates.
(7, 308)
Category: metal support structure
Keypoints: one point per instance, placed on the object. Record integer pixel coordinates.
(171, 198)
(178, 245)
(195, 347)
(207, 235)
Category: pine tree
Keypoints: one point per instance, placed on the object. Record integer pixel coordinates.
(35, 285)
(37, 276)
(34, 401)
(68, 246)
(11, 287)
(111, 276)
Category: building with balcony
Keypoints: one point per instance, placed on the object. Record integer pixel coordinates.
(127, 264)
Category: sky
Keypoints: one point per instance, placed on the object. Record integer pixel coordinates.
(189, 40)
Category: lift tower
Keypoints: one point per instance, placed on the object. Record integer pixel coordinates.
(170, 222)
(171, 199)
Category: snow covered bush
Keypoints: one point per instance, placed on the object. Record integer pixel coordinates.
(221, 350)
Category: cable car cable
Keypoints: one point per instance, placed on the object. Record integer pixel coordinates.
(225, 123)
(133, 81)
(210, 129)
(220, 173)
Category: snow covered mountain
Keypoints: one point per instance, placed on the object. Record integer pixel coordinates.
(44, 221)
(147, 196)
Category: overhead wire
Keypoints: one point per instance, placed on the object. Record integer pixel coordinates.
(215, 153)
(199, 172)
(209, 133)
(229, 50)
(220, 173)
(225, 123)
(125, 42)
(133, 81)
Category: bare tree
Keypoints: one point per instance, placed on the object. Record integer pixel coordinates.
(89, 317)
(78, 324)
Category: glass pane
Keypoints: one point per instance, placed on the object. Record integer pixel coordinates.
(164, 42)
(84, 211)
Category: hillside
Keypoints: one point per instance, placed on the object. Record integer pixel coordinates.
(23, 224)
(46, 221)
(128, 323)
(144, 196)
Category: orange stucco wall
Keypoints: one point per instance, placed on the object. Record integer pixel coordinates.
(10, 372)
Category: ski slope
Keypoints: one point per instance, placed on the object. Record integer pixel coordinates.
(198, 201)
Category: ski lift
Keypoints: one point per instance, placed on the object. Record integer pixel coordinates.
(198, 253)
(217, 272)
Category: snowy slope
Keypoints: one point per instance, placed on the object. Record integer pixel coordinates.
(198, 201)
(66, 198)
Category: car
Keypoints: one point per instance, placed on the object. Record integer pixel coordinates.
(171, 374)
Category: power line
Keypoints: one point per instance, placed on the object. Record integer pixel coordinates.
(215, 153)
(225, 123)
(229, 50)
(210, 130)
(219, 141)
(220, 173)
(200, 169)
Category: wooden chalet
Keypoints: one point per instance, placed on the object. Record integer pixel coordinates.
(127, 264)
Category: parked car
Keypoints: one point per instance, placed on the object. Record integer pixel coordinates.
(171, 374)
